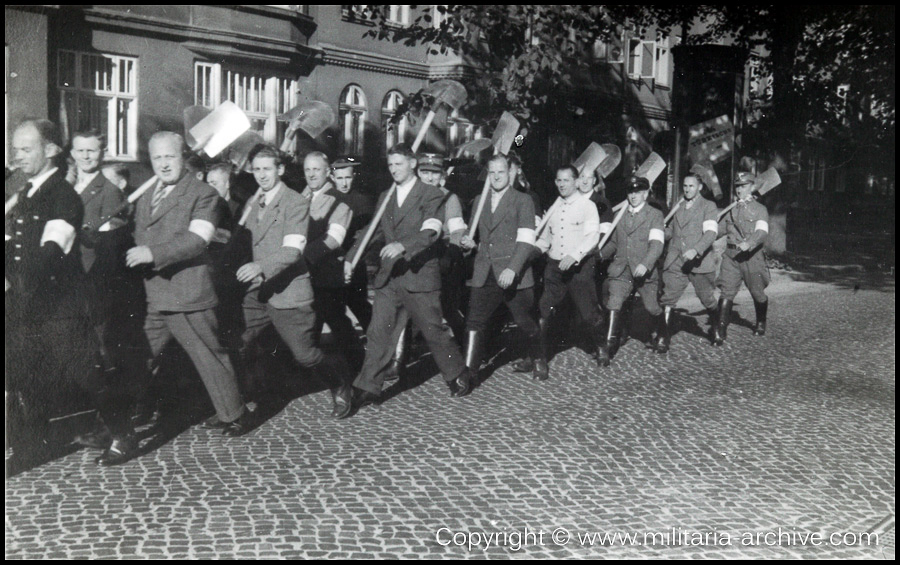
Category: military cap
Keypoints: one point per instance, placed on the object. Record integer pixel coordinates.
(636, 183)
(743, 178)
(345, 162)
(431, 162)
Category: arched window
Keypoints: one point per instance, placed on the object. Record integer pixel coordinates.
(460, 130)
(353, 117)
(394, 133)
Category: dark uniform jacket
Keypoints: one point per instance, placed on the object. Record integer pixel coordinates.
(180, 278)
(417, 270)
(326, 266)
(631, 242)
(498, 245)
(101, 199)
(691, 229)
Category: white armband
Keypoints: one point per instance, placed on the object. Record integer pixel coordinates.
(605, 227)
(61, 233)
(455, 224)
(711, 225)
(762, 225)
(658, 235)
(432, 224)
(206, 230)
(337, 232)
(294, 240)
(525, 235)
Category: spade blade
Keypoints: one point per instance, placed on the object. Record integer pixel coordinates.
(505, 133)
(473, 147)
(450, 92)
(651, 168)
(767, 181)
(708, 175)
(613, 158)
(217, 130)
(314, 117)
(590, 159)
(193, 115)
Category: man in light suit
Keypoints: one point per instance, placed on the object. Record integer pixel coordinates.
(281, 292)
(408, 278)
(637, 245)
(691, 233)
(174, 223)
(501, 272)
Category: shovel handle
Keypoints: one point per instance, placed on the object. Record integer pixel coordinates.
(420, 137)
(370, 231)
(726, 210)
(485, 193)
(132, 198)
(546, 219)
(615, 222)
(673, 210)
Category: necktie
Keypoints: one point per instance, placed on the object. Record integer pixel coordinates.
(262, 206)
(158, 196)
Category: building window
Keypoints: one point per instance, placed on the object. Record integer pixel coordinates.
(359, 13)
(398, 15)
(263, 98)
(100, 91)
(460, 130)
(641, 58)
(300, 9)
(394, 132)
(663, 70)
(353, 113)
(438, 15)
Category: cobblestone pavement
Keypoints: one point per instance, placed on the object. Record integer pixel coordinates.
(793, 431)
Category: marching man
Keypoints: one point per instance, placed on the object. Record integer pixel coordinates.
(690, 259)
(746, 226)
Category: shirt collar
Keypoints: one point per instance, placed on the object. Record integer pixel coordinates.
(498, 194)
(638, 209)
(574, 197)
(38, 181)
(407, 185)
(267, 197)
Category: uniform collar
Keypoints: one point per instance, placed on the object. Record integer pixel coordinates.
(38, 181)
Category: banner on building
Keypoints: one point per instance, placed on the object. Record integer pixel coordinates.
(712, 140)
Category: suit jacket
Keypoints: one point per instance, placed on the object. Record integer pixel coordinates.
(287, 283)
(418, 270)
(498, 248)
(743, 223)
(326, 265)
(45, 283)
(631, 242)
(179, 279)
(689, 230)
(100, 198)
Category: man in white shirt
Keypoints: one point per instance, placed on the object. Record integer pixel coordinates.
(570, 236)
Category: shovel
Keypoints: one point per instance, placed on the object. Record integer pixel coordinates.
(313, 117)
(502, 140)
(764, 183)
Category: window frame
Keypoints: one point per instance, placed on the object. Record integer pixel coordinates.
(394, 133)
(353, 145)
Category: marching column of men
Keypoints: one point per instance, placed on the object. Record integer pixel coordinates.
(66, 249)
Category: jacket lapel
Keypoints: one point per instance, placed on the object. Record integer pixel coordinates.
(502, 209)
(92, 189)
(685, 215)
(270, 216)
(169, 201)
(637, 221)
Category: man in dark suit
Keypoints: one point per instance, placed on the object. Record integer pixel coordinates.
(174, 223)
(637, 244)
(691, 233)
(501, 272)
(408, 278)
(50, 342)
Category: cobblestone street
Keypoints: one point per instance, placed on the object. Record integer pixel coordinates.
(793, 432)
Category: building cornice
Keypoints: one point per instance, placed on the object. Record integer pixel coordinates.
(220, 41)
(367, 61)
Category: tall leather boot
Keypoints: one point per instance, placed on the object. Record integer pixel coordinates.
(539, 358)
(598, 336)
(474, 351)
(610, 345)
(398, 362)
(722, 319)
(664, 330)
(762, 308)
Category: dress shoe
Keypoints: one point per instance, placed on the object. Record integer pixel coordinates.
(122, 449)
(363, 398)
(213, 423)
(524, 365)
(99, 438)
(462, 385)
(343, 402)
(241, 426)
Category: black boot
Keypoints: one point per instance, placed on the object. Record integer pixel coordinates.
(463, 384)
(720, 333)
(664, 330)
(762, 309)
(474, 351)
(538, 354)
(610, 345)
(398, 363)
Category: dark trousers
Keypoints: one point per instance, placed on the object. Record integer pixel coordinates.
(620, 288)
(330, 308)
(675, 281)
(356, 296)
(742, 267)
(393, 304)
(578, 282)
(484, 301)
(197, 332)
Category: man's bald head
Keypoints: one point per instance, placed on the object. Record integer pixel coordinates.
(35, 144)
